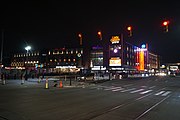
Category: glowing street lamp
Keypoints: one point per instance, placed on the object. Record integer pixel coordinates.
(100, 35)
(80, 38)
(129, 28)
(27, 48)
(166, 25)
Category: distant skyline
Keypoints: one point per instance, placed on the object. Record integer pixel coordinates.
(54, 24)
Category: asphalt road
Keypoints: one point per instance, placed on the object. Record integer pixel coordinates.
(152, 98)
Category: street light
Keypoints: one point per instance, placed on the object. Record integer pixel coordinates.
(166, 25)
(80, 38)
(27, 48)
(129, 28)
(100, 35)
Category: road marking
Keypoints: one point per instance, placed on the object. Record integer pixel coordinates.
(166, 93)
(159, 93)
(137, 91)
(112, 88)
(128, 90)
(118, 89)
(145, 112)
(147, 91)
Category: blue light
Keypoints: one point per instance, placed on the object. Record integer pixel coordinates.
(143, 46)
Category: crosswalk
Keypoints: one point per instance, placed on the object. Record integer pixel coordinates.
(135, 90)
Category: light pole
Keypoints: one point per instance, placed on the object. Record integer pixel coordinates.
(100, 59)
(129, 28)
(166, 25)
(27, 48)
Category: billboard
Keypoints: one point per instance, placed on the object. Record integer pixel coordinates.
(115, 62)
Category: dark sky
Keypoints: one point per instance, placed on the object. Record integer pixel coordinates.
(54, 24)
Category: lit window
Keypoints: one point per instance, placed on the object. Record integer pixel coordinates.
(69, 60)
(74, 60)
(71, 51)
(66, 52)
(64, 60)
(55, 60)
(50, 60)
(49, 53)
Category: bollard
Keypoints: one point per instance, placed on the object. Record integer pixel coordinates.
(22, 81)
(46, 84)
(3, 80)
(39, 80)
(60, 84)
(65, 77)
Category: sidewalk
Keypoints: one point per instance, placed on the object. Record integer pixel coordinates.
(52, 83)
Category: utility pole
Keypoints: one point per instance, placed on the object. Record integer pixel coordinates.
(2, 46)
(1, 65)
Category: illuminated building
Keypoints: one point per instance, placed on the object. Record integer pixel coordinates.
(121, 55)
(55, 60)
(126, 58)
(65, 60)
(97, 58)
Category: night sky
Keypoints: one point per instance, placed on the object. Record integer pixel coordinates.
(55, 24)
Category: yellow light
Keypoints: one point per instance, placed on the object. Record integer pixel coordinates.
(79, 35)
(129, 28)
(165, 23)
(99, 33)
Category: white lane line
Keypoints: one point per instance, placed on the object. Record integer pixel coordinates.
(128, 90)
(145, 112)
(112, 88)
(159, 93)
(118, 89)
(152, 87)
(143, 86)
(147, 91)
(166, 93)
(137, 91)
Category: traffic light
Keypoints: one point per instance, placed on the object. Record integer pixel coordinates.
(129, 28)
(166, 25)
(100, 35)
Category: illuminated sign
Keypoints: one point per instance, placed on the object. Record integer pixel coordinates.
(141, 60)
(115, 62)
(115, 39)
